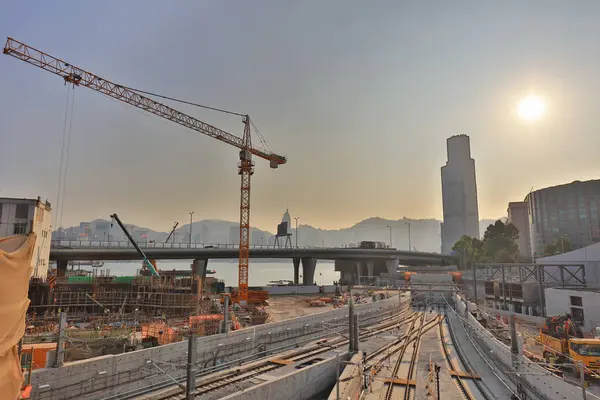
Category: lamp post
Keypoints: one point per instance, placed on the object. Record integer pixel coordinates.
(192, 213)
(296, 218)
(390, 227)
(409, 243)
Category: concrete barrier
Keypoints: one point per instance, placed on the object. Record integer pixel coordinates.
(519, 317)
(312, 289)
(535, 378)
(124, 374)
(301, 384)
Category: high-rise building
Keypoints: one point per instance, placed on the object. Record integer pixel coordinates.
(519, 217)
(565, 211)
(459, 193)
(24, 216)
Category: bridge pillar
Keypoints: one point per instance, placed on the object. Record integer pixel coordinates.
(61, 268)
(199, 273)
(358, 272)
(370, 266)
(308, 270)
(296, 270)
(392, 270)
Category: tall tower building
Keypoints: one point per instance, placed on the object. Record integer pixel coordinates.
(459, 193)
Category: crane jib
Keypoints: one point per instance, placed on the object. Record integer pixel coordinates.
(80, 77)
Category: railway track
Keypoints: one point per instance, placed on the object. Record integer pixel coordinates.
(450, 363)
(418, 327)
(242, 374)
(458, 375)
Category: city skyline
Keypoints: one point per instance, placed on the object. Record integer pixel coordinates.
(351, 116)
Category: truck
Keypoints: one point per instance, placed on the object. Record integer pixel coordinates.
(564, 343)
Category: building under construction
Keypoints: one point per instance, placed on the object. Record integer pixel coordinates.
(172, 294)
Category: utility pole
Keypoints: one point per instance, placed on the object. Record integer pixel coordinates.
(226, 315)
(582, 380)
(437, 379)
(390, 227)
(190, 367)
(351, 321)
(296, 218)
(60, 352)
(409, 242)
(192, 213)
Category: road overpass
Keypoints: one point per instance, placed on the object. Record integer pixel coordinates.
(354, 261)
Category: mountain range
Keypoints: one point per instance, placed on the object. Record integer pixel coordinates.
(424, 233)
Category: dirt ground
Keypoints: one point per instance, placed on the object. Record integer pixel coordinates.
(286, 307)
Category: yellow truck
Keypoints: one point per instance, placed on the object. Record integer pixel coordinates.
(564, 344)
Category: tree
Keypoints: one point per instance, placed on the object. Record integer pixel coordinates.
(499, 242)
(468, 250)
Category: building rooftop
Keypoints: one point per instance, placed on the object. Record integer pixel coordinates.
(46, 204)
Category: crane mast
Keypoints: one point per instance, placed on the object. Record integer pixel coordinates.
(80, 77)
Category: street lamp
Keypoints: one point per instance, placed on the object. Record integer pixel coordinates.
(296, 218)
(192, 213)
(409, 244)
(390, 227)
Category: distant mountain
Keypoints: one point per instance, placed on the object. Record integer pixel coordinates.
(424, 233)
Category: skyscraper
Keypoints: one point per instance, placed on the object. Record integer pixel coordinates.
(459, 193)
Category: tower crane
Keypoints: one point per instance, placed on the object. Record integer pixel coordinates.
(80, 77)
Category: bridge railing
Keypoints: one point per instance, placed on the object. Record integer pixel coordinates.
(99, 244)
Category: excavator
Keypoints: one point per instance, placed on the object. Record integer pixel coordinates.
(564, 343)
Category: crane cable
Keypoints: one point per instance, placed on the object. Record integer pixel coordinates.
(64, 188)
(62, 157)
(260, 136)
(183, 101)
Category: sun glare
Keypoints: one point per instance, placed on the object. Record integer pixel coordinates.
(531, 108)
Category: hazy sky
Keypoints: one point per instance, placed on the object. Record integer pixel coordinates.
(360, 96)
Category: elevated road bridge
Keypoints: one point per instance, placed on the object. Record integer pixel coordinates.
(360, 262)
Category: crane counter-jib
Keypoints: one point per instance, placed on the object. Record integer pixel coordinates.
(80, 77)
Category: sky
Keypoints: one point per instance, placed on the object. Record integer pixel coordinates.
(359, 96)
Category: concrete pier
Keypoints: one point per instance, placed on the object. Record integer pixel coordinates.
(308, 270)
(199, 267)
(296, 270)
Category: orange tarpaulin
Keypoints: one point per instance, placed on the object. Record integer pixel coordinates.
(15, 270)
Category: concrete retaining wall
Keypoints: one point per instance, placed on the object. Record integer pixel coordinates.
(118, 375)
(303, 384)
(519, 317)
(312, 289)
(532, 375)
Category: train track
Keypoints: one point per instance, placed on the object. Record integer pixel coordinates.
(456, 374)
(239, 375)
(450, 363)
(400, 347)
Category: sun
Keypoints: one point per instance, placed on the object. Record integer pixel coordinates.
(531, 108)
